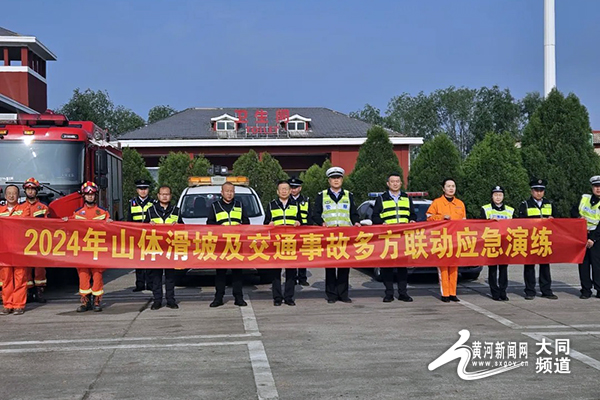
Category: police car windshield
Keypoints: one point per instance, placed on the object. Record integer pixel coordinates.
(54, 163)
(196, 205)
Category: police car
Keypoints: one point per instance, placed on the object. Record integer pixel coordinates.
(421, 204)
(196, 199)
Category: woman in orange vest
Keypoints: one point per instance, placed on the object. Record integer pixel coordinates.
(447, 207)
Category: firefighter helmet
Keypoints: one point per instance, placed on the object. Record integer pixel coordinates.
(31, 183)
(89, 187)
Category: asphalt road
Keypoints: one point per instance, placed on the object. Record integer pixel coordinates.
(364, 350)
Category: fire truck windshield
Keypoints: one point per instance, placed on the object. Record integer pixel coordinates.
(53, 163)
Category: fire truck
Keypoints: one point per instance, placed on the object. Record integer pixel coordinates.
(60, 154)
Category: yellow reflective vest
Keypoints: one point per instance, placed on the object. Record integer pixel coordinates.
(492, 213)
(589, 212)
(336, 214)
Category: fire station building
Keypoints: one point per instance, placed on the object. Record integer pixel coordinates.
(296, 137)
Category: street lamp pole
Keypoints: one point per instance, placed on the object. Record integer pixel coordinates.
(549, 47)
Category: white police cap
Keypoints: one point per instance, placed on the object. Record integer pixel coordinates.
(334, 172)
(595, 180)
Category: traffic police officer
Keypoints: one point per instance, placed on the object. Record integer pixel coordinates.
(537, 206)
(228, 211)
(138, 207)
(303, 203)
(497, 210)
(394, 207)
(163, 212)
(589, 209)
(283, 211)
(336, 207)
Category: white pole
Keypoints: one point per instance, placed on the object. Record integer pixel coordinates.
(549, 47)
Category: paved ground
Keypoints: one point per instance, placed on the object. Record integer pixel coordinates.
(363, 350)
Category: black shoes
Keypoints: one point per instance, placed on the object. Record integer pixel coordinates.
(405, 298)
(504, 298)
(454, 298)
(173, 306)
(445, 299)
(290, 302)
(529, 297)
(585, 296)
(156, 305)
(216, 303)
(388, 299)
(138, 289)
(550, 296)
(303, 283)
(496, 298)
(331, 301)
(240, 303)
(346, 300)
(276, 303)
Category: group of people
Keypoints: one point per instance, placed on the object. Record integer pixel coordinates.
(331, 207)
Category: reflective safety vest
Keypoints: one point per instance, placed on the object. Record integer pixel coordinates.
(234, 217)
(589, 212)
(395, 213)
(535, 212)
(304, 211)
(336, 214)
(138, 213)
(287, 216)
(492, 213)
(94, 213)
(170, 219)
(17, 211)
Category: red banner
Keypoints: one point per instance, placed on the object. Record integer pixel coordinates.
(56, 243)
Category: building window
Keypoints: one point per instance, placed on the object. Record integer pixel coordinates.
(225, 125)
(296, 126)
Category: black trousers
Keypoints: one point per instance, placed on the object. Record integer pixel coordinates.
(387, 276)
(220, 282)
(591, 263)
(290, 284)
(545, 279)
(157, 284)
(336, 283)
(143, 279)
(498, 283)
(301, 276)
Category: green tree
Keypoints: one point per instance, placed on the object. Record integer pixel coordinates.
(557, 147)
(376, 160)
(160, 112)
(263, 175)
(438, 159)
(134, 168)
(369, 114)
(96, 106)
(495, 111)
(175, 169)
(315, 179)
(493, 161)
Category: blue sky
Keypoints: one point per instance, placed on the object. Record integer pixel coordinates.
(335, 54)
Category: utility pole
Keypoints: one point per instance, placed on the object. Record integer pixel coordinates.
(549, 47)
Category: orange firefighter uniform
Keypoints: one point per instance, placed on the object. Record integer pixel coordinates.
(437, 211)
(14, 279)
(36, 277)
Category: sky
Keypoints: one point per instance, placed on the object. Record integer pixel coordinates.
(306, 53)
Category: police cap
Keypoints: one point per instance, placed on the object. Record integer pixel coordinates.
(497, 189)
(595, 180)
(142, 184)
(335, 172)
(538, 183)
(295, 182)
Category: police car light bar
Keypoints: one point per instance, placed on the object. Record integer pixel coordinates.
(410, 194)
(217, 180)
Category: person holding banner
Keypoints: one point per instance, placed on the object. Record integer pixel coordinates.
(447, 207)
(537, 206)
(14, 279)
(589, 209)
(336, 207)
(305, 218)
(90, 211)
(228, 211)
(36, 277)
(163, 212)
(394, 207)
(138, 208)
(497, 210)
(283, 211)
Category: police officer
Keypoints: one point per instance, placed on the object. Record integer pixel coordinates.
(336, 207)
(589, 209)
(497, 210)
(394, 207)
(228, 211)
(138, 208)
(305, 218)
(163, 212)
(537, 206)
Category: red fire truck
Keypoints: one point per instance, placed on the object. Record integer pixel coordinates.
(60, 154)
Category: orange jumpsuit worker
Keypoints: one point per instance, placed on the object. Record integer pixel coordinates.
(447, 207)
(36, 276)
(14, 279)
(90, 211)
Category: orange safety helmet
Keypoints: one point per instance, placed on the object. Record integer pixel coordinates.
(31, 183)
(88, 187)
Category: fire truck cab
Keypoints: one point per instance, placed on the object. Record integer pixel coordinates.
(61, 155)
